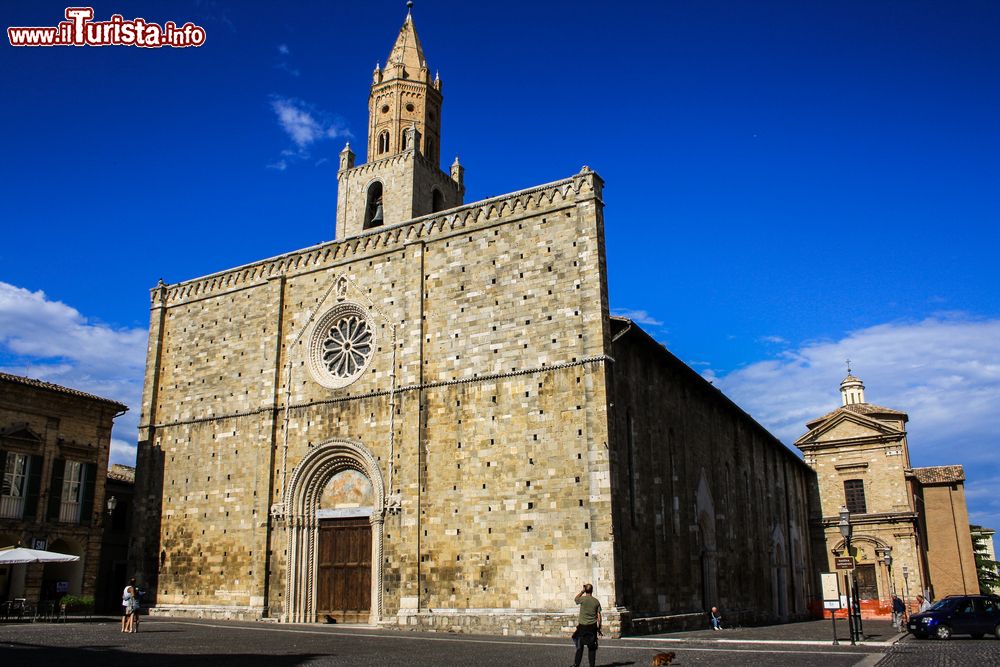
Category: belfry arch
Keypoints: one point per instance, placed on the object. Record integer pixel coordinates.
(302, 500)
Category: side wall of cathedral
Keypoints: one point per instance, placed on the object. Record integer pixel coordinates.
(710, 508)
(482, 418)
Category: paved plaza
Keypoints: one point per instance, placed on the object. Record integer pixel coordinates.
(215, 643)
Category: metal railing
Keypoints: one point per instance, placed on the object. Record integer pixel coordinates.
(11, 507)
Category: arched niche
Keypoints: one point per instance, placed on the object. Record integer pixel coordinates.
(374, 211)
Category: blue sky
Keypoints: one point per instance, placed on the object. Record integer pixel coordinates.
(789, 184)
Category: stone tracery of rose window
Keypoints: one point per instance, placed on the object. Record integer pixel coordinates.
(348, 346)
(341, 346)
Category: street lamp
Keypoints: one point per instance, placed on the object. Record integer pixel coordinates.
(887, 557)
(906, 587)
(854, 604)
(112, 504)
(845, 530)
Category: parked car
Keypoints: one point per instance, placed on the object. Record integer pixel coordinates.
(975, 615)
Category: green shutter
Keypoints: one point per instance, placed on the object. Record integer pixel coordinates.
(55, 488)
(34, 484)
(87, 493)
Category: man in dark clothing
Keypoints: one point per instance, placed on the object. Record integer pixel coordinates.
(588, 625)
(898, 609)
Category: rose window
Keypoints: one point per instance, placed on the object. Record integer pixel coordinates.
(347, 346)
(341, 346)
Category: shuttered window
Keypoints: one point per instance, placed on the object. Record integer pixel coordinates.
(854, 494)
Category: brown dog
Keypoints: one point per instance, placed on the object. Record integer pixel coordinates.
(661, 659)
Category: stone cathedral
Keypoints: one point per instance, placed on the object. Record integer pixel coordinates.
(434, 422)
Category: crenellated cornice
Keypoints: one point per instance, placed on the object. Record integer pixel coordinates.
(584, 185)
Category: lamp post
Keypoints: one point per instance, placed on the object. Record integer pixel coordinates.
(887, 557)
(112, 504)
(845, 531)
(906, 590)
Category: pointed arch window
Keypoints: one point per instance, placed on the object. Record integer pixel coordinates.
(437, 201)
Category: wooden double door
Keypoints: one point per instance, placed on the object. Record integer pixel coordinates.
(344, 571)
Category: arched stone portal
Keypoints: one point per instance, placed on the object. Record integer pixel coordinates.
(303, 499)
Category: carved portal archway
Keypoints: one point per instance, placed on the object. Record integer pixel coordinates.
(305, 489)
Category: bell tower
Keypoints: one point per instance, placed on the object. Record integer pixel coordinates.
(402, 178)
(404, 97)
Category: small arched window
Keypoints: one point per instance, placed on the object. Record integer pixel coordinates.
(383, 142)
(429, 149)
(374, 214)
(437, 201)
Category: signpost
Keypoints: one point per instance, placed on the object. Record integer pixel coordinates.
(831, 598)
(844, 562)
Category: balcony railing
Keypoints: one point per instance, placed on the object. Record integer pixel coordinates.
(11, 507)
(69, 512)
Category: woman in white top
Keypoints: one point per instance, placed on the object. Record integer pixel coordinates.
(129, 607)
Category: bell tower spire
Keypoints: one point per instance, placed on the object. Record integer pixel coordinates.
(404, 94)
(402, 178)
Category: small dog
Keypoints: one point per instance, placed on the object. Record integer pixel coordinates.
(661, 659)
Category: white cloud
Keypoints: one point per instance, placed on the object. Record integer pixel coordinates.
(283, 49)
(304, 124)
(943, 371)
(122, 452)
(778, 340)
(638, 316)
(52, 341)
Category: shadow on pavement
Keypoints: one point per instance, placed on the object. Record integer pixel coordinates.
(18, 653)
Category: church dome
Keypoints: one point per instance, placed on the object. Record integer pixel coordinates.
(852, 389)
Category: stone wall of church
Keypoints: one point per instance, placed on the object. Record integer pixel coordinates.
(878, 461)
(490, 327)
(710, 509)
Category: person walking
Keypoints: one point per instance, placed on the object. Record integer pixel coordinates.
(716, 618)
(898, 609)
(588, 625)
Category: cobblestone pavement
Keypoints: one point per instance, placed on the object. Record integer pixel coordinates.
(218, 643)
(957, 651)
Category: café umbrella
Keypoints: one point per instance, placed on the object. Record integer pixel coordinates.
(16, 555)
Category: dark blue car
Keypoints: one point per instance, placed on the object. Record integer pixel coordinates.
(975, 615)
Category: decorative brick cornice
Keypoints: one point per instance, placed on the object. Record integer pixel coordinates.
(566, 192)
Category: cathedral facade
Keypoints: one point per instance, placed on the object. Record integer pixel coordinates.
(434, 422)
